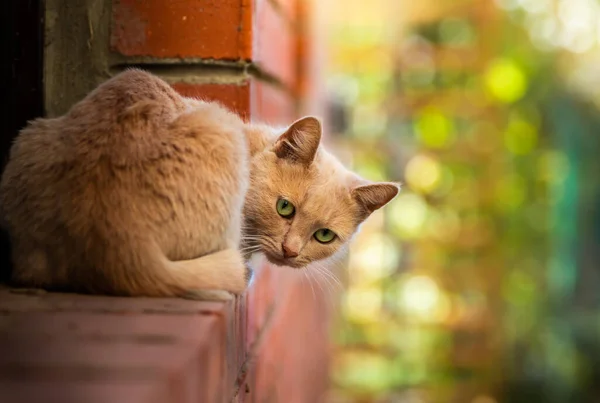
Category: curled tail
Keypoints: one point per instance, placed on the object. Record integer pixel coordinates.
(223, 270)
(152, 274)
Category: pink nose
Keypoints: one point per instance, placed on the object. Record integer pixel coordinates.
(288, 251)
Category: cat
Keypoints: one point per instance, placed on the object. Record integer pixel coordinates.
(139, 191)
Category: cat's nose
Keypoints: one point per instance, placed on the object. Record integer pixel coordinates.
(288, 251)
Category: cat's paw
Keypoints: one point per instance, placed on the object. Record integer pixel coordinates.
(209, 295)
(233, 269)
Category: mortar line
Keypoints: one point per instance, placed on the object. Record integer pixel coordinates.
(203, 71)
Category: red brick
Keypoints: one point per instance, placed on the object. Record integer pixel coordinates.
(207, 29)
(68, 346)
(261, 101)
(310, 62)
(275, 44)
(306, 56)
(197, 347)
(213, 29)
(236, 97)
(284, 371)
(75, 392)
(181, 354)
(259, 300)
(272, 105)
(13, 302)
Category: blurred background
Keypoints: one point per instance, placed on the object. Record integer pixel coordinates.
(479, 283)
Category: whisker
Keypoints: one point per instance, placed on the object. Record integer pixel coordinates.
(331, 287)
(257, 247)
(330, 274)
(313, 275)
(252, 245)
(311, 286)
(271, 243)
(250, 241)
(333, 283)
(249, 246)
(324, 278)
(249, 251)
(332, 277)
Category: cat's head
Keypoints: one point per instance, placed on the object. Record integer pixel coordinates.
(303, 205)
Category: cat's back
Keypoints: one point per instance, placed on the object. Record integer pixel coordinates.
(122, 119)
(55, 160)
(118, 120)
(111, 101)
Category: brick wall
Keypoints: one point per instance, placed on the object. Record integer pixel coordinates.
(268, 346)
(243, 53)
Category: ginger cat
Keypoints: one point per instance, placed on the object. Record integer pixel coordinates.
(139, 191)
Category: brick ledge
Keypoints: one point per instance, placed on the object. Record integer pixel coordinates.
(72, 348)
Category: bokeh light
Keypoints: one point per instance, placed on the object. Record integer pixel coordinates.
(407, 214)
(421, 298)
(363, 304)
(374, 258)
(434, 129)
(505, 80)
(423, 173)
(521, 136)
(478, 283)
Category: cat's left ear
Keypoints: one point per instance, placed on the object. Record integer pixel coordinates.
(375, 195)
(300, 141)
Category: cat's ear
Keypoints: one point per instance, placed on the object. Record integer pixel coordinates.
(300, 141)
(375, 195)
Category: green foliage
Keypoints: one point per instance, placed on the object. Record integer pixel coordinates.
(481, 284)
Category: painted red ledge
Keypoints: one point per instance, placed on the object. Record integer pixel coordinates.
(69, 347)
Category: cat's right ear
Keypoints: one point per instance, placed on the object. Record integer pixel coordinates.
(300, 141)
(373, 196)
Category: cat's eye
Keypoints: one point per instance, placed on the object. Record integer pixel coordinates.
(285, 208)
(324, 235)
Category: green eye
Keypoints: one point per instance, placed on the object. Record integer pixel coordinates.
(324, 235)
(285, 208)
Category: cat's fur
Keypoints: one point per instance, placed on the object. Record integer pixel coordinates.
(139, 191)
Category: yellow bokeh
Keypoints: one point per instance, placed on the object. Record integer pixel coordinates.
(445, 184)
(421, 298)
(444, 225)
(363, 304)
(362, 370)
(407, 215)
(511, 192)
(506, 81)
(423, 173)
(434, 129)
(375, 258)
(520, 137)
